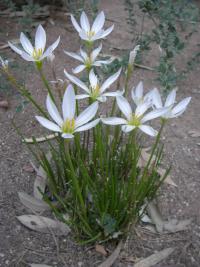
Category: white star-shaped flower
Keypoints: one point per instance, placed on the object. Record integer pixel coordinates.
(35, 53)
(136, 119)
(87, 60)
(69, 124)
(173, 110)
(94, 32)
(95, 91)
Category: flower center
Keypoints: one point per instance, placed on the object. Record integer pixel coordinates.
(68, 126)
(37, 53)
(95, 92)
(135, 120)
(90, 34)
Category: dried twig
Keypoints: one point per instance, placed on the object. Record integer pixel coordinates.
(112, 258)
(154, 258)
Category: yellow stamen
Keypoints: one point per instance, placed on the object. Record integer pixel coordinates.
(135, 120)
(90, 34)
(37, 53)
(68, 126)
(95, 92)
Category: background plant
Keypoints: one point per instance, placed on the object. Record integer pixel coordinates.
(169, 18)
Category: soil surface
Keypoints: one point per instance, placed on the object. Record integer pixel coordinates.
(18, 245)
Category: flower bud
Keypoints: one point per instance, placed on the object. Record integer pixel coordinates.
(133, 55)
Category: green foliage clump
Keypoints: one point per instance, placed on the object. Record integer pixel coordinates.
(169, 18)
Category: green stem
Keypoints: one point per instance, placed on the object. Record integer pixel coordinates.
(154, 148)
(74, 178)
(46, 84)
(24, 92)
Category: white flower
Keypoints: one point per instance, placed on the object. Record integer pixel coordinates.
(173, 110)
(94, 32)
(133, 55)
(37, 52)
(95, 91)
(87, 60)
(68, 124)
(134, 119)
(139, 98)
(3, 63)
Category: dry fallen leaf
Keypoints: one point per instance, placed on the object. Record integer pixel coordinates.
(39, 139)
(40, 181)
(112, 258)
(32, 203)
(100, 249)
(28, 168)
(168, 179)
(194, 133)
(143, 160)
(4, 104)
(154, 258)
(171, 226)
(44, 224)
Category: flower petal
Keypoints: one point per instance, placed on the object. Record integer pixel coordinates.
(85, 22)
(98, 22)
(26, 44)
(148, 130)
(148, 98)
(83, 96)
(181, 107)
(67, 135)
(102, 98)
(170, 100)
(40, 38)
(113, 121)
(154, 114)
(75, 24)
(69, 103)
(108, 31)
(74, 55)
(14, 48)
(76, 81)
(124, 106)
(83, 54)
(78, 69)
(141, 109)
(93, 79)
(95, 53)
(138, 92)
(53, 111)
(27, 57)
(127, 128)
(88, 126)
(117, 93)
(48, 124)
(99, 63)
(87, 115)
(50, 49)
(110, 80)
(97, 36)
(83, 35)
(157, 101)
